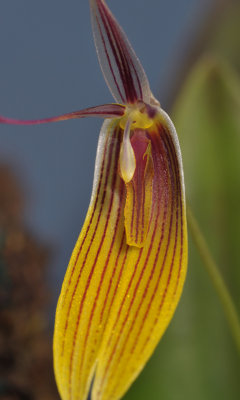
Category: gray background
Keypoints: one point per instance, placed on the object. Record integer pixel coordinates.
(48, 67)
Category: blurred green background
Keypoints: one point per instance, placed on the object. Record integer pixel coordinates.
(197, 358)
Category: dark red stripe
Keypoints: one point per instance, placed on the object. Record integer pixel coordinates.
(119, 276)
(180, 195)
(94, 234)
(126, 62)
(126, 67)
(165, 255)
(150, 276)
(89, 225)
(154, 293)
(118, 314)
(141, 302)
(169, 277)
(117, 60)
(143, 209)
(109, 61)
(137, 78)
(154, 266)
(130, 61)
(172, 155)
(115, 289)
(133, 208)
(138, 209)
(152, 271)
(171, 267)
(93, 268)
(122, 64)
(130, 89)
(125, 296)
(103, 274)
(125, 73)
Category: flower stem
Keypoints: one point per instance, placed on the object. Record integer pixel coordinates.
(216, 278)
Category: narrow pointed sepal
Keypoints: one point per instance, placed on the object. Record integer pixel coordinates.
(103, 111)
(121, 68)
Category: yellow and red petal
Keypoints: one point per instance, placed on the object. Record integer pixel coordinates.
(116, 299)
(153, 277)
(93, 275)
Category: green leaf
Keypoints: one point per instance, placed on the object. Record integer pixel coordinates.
(196, 358)
(207, 118)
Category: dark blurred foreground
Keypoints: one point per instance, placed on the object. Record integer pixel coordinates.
(26, 371)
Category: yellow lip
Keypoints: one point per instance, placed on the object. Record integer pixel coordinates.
(139, 117)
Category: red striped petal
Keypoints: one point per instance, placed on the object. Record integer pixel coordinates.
(117, 300)
(104, 111)
(153, 277)
(121, 68)
(95, 268)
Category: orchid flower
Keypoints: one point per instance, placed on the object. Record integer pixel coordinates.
(128, 267)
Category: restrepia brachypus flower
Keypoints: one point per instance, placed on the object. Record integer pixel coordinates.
(127, 270)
